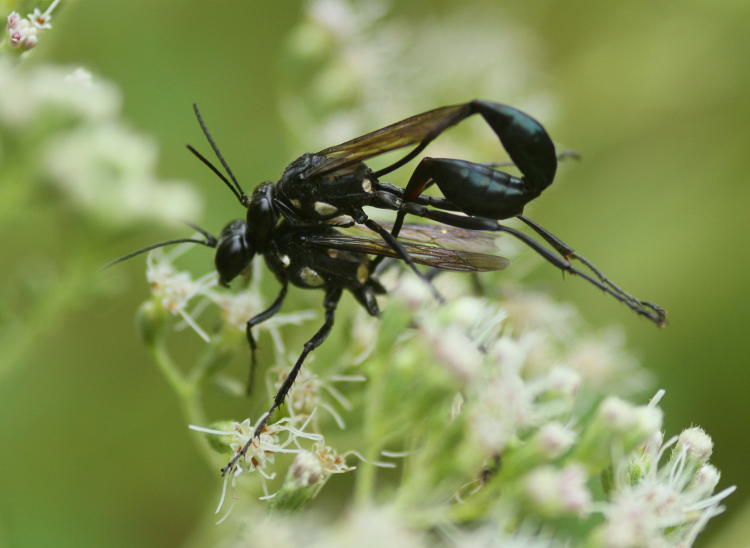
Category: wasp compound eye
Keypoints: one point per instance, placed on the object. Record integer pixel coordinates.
(234, 252)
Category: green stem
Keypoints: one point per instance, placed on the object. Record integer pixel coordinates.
(188, 394)
(365, 483)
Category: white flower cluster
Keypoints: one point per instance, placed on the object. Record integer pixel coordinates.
(658, 501)
(526, 396)
(72, 135)
(179, 293)
(259, 453)
(23, 32)
(546, 427)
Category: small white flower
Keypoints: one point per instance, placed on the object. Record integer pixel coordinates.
(305, 471)
(554, 439)
(502, 407)
(563, 381)
(174, 289)
(618, 414)
(705, 481)
(41, 20)
(557, 492)
(414, 293)
(456, 351)
(306, 394)
(330, 461)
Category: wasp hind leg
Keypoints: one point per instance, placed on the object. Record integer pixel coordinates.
(569, 253)
(554, 257)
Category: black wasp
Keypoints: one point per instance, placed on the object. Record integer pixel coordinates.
(293, 223)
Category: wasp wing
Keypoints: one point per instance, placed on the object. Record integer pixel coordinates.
(448, 236)
(421, 128)
(446, 259)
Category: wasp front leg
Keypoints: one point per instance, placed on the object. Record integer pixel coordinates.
(257, 320)
(331, 301)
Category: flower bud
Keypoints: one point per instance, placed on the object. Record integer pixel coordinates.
(221, 443)
(697, 444)
(705, 481)
(150, 320)
(557, 492)
(554, 439)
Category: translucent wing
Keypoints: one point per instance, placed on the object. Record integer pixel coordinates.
(449, 237)
(446, 259)
(421, 128)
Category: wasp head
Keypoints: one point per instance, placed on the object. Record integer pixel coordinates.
(234, 251)
(261, 216)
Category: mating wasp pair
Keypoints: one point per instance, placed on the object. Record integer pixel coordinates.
(294, 223)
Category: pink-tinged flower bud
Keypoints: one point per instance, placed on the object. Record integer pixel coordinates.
(13, 20)
(554, 439)
(696, 443)
(557, 492)
(618, 414)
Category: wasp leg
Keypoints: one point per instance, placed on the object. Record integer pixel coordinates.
(391, 240)
(482, 223)
(252, 322)
(330, 303)
(569, 253)
(440, 203)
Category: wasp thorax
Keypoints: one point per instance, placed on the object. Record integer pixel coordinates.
(234, 252)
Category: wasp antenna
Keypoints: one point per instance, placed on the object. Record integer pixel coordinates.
(238, 189)
(209, 242)
(239, 195)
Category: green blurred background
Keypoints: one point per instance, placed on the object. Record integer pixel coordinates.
(654, 94)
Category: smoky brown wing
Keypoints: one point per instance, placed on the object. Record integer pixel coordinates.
(416, 129)
(446, 259)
